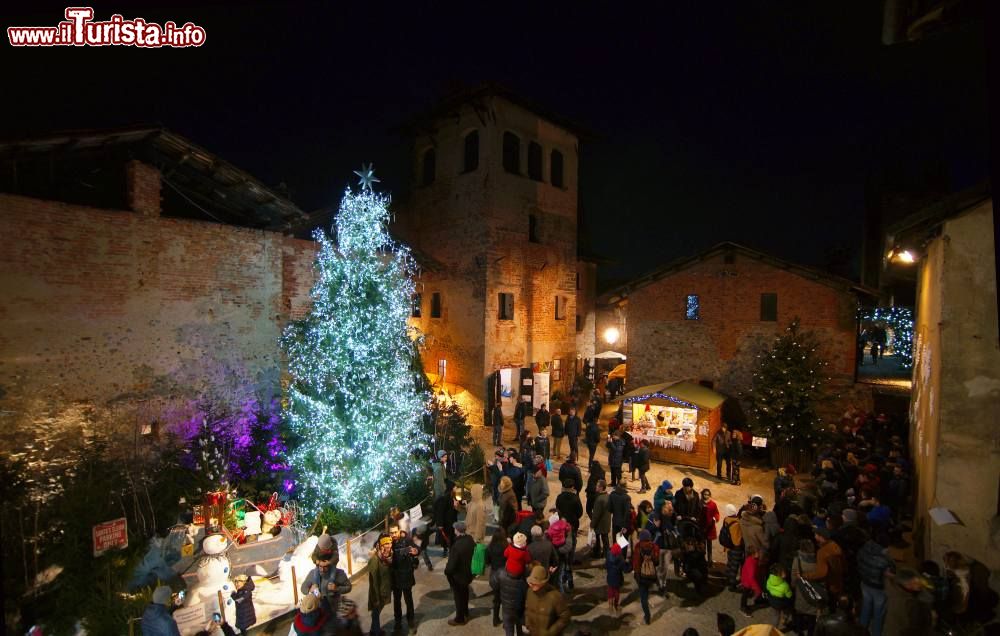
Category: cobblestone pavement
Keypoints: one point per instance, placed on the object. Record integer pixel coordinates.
(671, 615)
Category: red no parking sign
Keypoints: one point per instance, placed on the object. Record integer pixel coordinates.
(112, 535)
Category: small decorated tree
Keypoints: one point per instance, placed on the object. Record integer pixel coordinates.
(787, 385)
(354, 406)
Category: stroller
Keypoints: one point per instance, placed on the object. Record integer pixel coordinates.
(689, 560)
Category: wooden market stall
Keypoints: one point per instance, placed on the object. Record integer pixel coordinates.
(678, 419)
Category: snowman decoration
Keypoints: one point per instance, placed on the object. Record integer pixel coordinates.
(214, 574)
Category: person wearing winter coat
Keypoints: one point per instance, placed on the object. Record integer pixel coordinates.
(542, 418)
(874, 564)
(379, 581)
(616, 456)
(645, 550)
(326, 580)
(156, 618)
(558, 432)
(710, 519)
(735, 554)
(752, 528)
(908, 605)
(459, 573)
(829, 564)
(495, 558)
(687, 503)
(475, 516)
(513, 590)
(445, 514)
(538, 492)
(665, 492)
(546, 611)
(541, 549)
(569, 470)
(600, 522)
(621, 508)
(310, 618)
(404, 560)
(517, 557)
(592, 436)
(542, 446)
(508, 505)
(521, 410)
(803, 564)
(517, 475)
(573, 429)
(569, 507)
(735, 457)
(642, 465)
(595, 474)
(615, 567)
(497, 425)
(750, 579)
(440, 473)
(246, 614)
(721, 444)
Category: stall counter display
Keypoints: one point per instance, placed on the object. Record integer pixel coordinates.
(665, 426)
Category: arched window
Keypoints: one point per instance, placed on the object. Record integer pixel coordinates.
(429, 167)
(534, 161)
(471, 161)
(556, 169)
(511, 153)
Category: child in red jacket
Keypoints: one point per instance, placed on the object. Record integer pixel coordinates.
(517, 556)
(750, 581)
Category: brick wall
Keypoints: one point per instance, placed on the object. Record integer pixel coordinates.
(112, 308)
(722, 345)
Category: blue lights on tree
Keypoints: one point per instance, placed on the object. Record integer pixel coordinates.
(354, 406)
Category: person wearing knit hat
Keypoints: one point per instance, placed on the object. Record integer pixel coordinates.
(328, 582)
(615, 567)
(156, 618)
(311, 617)
(644, 566)
(517, 556)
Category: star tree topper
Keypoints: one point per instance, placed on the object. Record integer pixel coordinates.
(367, 177)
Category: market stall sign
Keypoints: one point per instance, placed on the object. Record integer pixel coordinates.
(759, 442)
(112, 535)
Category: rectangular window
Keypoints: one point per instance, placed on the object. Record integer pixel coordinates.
(534, 161)
(560, 308)
(579, 323)
(769, 307)
(533, 229)
(556, 169)
(417, 301)
(442, 369)
(436, 305)
(692, 308)
(506, 306)
(511, 153)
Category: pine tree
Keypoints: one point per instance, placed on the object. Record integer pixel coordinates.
(354, 405)
(787, 385)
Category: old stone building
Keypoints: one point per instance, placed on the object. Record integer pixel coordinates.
(138, 269)
(494, 215)
(707, 317)
(955, 407)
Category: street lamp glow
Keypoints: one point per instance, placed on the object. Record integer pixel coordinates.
(611, 335)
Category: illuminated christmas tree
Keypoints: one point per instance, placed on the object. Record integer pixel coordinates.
(787, 385)
(354, 406)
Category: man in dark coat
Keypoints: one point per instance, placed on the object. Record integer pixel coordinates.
(642, 465)
(721, 444)
(616, 457)
(558, 432)
(569, 470)
(621, 506)
(459, 573)
(445, 515)
(593, 437)
(542, 418)
(688, 504)
(404, 560)
(573, 429)
(521, 410)
(497, 425)
(513, 590)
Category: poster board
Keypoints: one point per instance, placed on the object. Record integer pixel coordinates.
(192, 619)
(507, 392)
(539, 389)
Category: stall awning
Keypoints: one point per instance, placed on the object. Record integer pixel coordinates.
(618, 372)
(683, 390)
(610, 355)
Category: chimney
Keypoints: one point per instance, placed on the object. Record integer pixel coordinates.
(143, 188)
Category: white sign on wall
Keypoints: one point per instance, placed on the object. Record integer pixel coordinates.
(540, 389)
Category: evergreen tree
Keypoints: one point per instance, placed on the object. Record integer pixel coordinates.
(354, 404)
(787, 385)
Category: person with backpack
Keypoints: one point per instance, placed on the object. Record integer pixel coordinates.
(731, 539)
(615, 567)
(644, 560)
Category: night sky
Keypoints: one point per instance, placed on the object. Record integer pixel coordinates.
(760, 124)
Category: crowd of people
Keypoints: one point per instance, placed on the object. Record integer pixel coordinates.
(811, 557)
